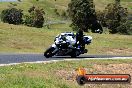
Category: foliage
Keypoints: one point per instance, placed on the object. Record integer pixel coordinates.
(12, 16)
(100, 17)
(64, 14)
(116, 18)
(28, 20)
(56, 12)
(19, 0)
(36, 17)
(125, 28)
(82, 14)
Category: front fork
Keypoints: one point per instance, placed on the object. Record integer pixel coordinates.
(56, 48)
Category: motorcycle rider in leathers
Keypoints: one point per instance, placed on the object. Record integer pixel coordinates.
(79, 40)
(68, 39)
(74, 40)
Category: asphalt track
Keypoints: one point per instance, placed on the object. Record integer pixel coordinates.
(20, 58)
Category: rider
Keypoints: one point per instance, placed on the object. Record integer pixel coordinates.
(73, 40)
(66, 37)
(79, 40)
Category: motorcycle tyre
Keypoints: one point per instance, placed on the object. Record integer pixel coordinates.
(48, 53)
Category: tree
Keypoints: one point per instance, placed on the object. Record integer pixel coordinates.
(36, 17)
(100, 17)
(82, 14)
(124, 28)
(115, 17)
(19, 0)
(12, 16)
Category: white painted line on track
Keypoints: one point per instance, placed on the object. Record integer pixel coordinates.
(51, 61)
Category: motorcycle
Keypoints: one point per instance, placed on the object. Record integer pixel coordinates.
(62, 48)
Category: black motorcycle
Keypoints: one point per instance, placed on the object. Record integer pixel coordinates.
(62, 48)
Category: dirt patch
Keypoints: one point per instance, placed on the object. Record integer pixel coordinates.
(119, 51)
(99, 69)
(67, 75)
(114, 69)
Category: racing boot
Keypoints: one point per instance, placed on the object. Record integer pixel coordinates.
(84, 51)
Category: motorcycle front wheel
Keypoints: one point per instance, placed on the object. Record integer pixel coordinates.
(49, 52)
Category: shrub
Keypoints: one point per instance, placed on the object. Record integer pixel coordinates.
(12, 16)
(28, 20)
(81, 13)
(56, 12)
(35, 17)
(125, 28)
(116, 17)
(100, 16)
(64, 14)
(83, 16)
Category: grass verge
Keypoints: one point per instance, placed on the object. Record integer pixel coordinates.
(21, 39)
(61, 74)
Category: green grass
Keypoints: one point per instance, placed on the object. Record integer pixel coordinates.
(111, 44)
(22, 39)
(101, 4)
(50, 5)
(26, 39)
(46, 75)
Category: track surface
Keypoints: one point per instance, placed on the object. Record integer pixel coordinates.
(19, 58)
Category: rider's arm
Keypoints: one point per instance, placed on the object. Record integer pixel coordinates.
(57, 40)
